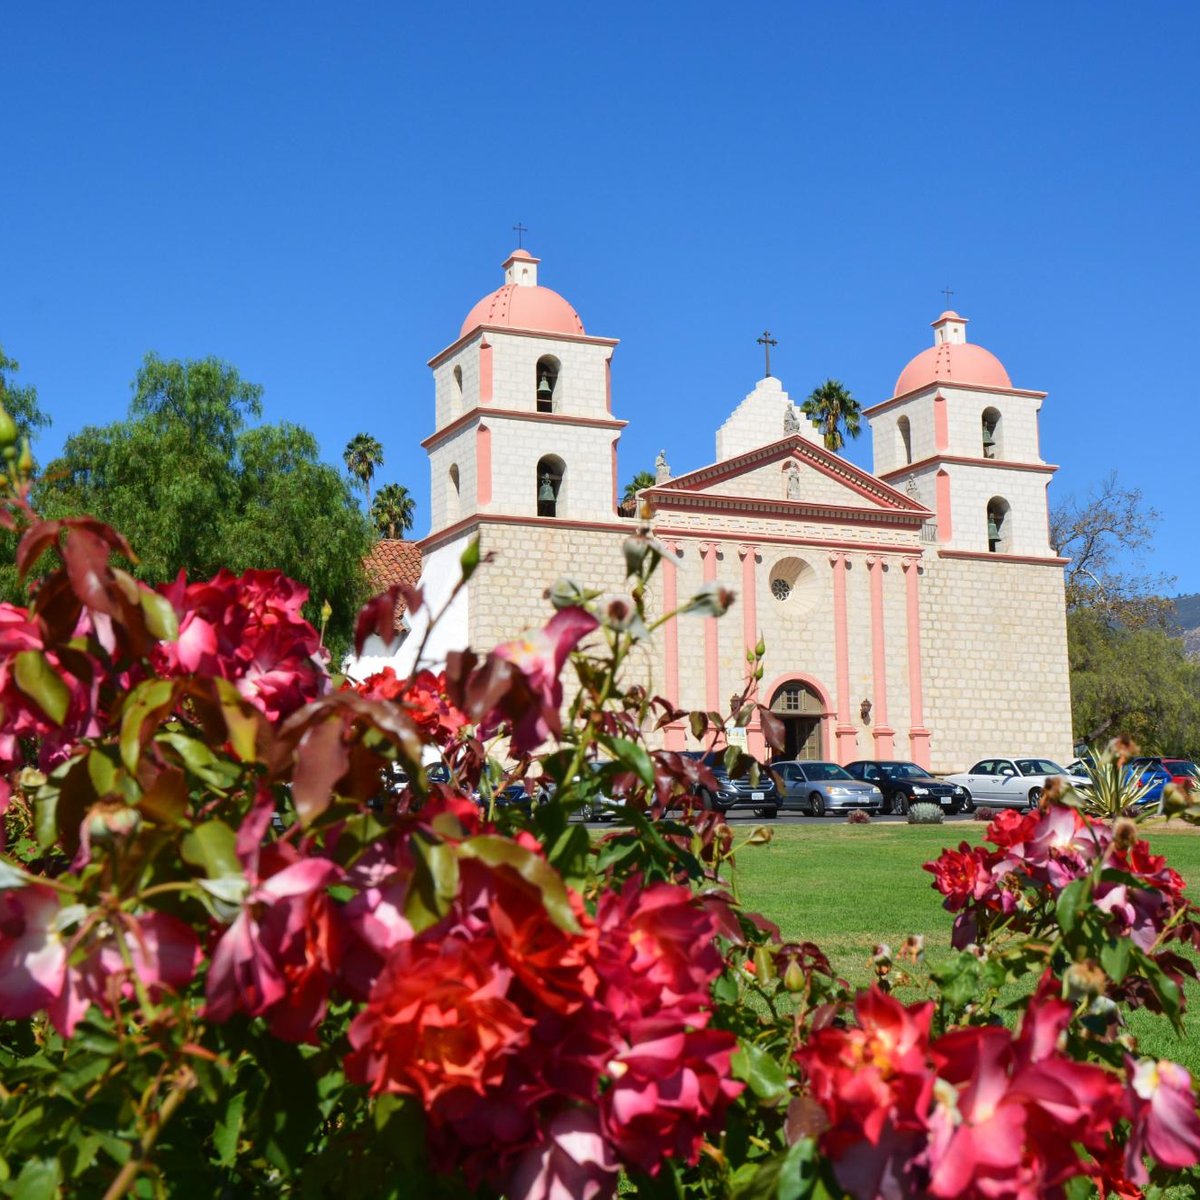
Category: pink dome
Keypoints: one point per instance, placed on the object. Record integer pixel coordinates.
(953, 362)
(536, 308)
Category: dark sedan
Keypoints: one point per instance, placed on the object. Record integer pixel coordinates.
(904, 784)
(742, 791)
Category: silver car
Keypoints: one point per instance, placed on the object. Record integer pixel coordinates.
(1011, 782)
(824, 787)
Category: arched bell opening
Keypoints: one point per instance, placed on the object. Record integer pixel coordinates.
(551, 489)
(992, 433)
(546, 381)
(999, 525)
(453, 495)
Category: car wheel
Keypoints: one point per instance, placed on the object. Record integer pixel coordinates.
(968, 802)
(899, 804)
(766, 813)
(1035, 794)
(818, 804)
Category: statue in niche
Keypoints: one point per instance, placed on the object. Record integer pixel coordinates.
(662, 472)
(793, 482)
(911, 487)
(791, 422)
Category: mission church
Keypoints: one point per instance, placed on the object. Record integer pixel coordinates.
(913, 612)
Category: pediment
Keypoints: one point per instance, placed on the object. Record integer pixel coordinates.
(794, 476)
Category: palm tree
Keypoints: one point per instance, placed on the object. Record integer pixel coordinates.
(363, 454)
(834, 409)
(393, 509)
(643, 479)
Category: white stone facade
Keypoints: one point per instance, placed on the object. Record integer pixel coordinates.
(899, 622)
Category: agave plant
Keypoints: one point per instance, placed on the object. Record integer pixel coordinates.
(1113, 790)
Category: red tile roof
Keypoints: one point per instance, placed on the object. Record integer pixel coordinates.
(393, 560)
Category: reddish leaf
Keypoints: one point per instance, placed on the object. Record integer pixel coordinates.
(321, 760)
(377, 617)
(37, 538)
(772, 727)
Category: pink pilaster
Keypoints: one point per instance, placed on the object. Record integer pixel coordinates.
(846, 734)
(483, 466)
(941, 425)
(749, 557)
(918, 735)
(674, 736)
(485, 372)
(712, 680)
(945, 527)
(881, 730)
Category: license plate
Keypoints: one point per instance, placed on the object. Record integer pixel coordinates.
(756, 795)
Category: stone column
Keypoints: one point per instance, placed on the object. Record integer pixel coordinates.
(673, 735)
(881, 730)
(844, 730)
(712, 679)
(918, 735)
(749, 556)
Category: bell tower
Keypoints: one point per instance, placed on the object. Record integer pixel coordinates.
(964, 442)
(523, 410)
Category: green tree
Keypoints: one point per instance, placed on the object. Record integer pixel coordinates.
(835, 411)
(362, 455)
(20, 401)
(393, 510)
(643, 479)
(195, 490)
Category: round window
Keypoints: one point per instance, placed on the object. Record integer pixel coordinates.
(780, 589)
(794, 581)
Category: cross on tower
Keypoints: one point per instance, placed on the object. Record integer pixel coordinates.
(947, 293)
(766, 342)
(520, 230)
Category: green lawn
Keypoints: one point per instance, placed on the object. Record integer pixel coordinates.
(847, 887)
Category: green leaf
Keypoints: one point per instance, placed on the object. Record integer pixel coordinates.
(434, 883)
(1114, 958)
(151, 699)
(470, 559)
(43, 685)
(632, 755)
(103, 773)
(787, 1176)
(160, 615)
(38, 1180)
(213, 848)
(227, 1130)
(500, 852)
(200, 760)
(1070, 902)
(761, 1072)
(958, 979)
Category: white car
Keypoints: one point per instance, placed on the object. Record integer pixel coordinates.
(1011, 782)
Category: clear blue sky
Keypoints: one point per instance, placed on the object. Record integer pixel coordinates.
(318, 194)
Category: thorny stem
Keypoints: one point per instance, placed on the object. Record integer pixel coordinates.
(127, 1176)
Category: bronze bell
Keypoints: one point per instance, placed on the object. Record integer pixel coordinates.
(989, 439)
(993, 529)
(544, 391)
(546, 491)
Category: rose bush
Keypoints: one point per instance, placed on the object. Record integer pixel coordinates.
(251, 945)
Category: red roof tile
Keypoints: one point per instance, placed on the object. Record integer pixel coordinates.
(393, 560)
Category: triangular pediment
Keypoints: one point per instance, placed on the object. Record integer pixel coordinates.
(793, 476)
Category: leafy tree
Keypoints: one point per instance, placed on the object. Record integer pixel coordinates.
(1129, 674)
(393, 510)
(835, 410)
(196, 490)
(363, 454)
(643, 479)
(21, 403)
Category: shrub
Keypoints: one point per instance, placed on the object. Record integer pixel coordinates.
(859, 817)
(925, 814)
(986, 814)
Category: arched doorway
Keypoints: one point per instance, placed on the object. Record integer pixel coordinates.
(802, 712)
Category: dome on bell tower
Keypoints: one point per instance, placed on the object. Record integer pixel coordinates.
(521, 303)
(952, 359)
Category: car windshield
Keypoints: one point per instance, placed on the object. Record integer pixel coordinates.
(1181, 766)
(1038, 766)
(902, 770)
(817, 771)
